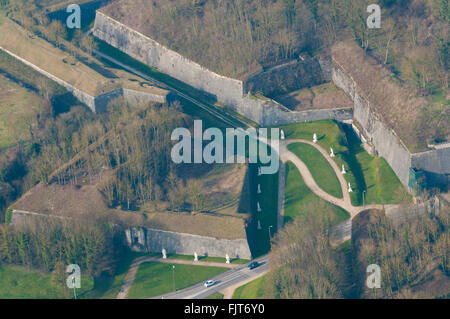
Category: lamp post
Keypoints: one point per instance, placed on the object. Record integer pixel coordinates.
(270, 235)
(364, 195)
(173, 276)
(74, 289)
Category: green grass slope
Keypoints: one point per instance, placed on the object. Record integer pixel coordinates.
(253, 290)
(365, 172)
(154, 279)
(319, 167)
(300, 200)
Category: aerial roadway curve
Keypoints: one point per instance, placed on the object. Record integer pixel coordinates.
(224, 280)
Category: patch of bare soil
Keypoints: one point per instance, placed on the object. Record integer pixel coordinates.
(325, 96)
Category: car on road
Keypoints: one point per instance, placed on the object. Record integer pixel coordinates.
(209, 283)
(253, 265)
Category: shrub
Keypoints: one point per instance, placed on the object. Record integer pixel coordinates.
(8, 216)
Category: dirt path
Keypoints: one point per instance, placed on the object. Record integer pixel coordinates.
(131, 275)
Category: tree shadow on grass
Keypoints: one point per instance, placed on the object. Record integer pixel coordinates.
(354, 146)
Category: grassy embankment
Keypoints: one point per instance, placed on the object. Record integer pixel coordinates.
(300, 200)
(253, 290)
(216, 295)
(19, 282)
(18, 108)
(364, 171)
(154, 279)
(320, 169)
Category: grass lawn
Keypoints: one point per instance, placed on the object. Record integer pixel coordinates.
(319, 167)
(216, 295)
(154, 279)
(364, 172)
(18, 109)
(253, 290)
(18, 282)
(24, 283)
(300, 200)
(108, 286)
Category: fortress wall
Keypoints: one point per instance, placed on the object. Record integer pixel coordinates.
(226, 90)
(82, 96)
(387, 144)
(150, 52)
(435, 163)
(152, 240)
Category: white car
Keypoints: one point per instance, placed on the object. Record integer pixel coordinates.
(209, 283)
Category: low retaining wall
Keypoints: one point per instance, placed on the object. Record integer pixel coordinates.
(152, 240)
(278, 115)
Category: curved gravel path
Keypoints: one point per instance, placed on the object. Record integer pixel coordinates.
(345, 202)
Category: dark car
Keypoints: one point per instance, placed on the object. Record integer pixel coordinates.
(253, 265)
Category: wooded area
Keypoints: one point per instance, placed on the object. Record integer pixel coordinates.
(413, 256)
(235, 38)
(49, 243)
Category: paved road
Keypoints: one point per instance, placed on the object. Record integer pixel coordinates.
(131, 274)
(224, 280)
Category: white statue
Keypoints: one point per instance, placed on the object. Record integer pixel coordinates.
(227, 258)
(282, 135)
(315, 138)
(259, 189)
(332, 152)
(259, 207)
(350, 188)
(343, 170)
(259, 225)
(259, 171)
(195, 256)
(164, 253)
